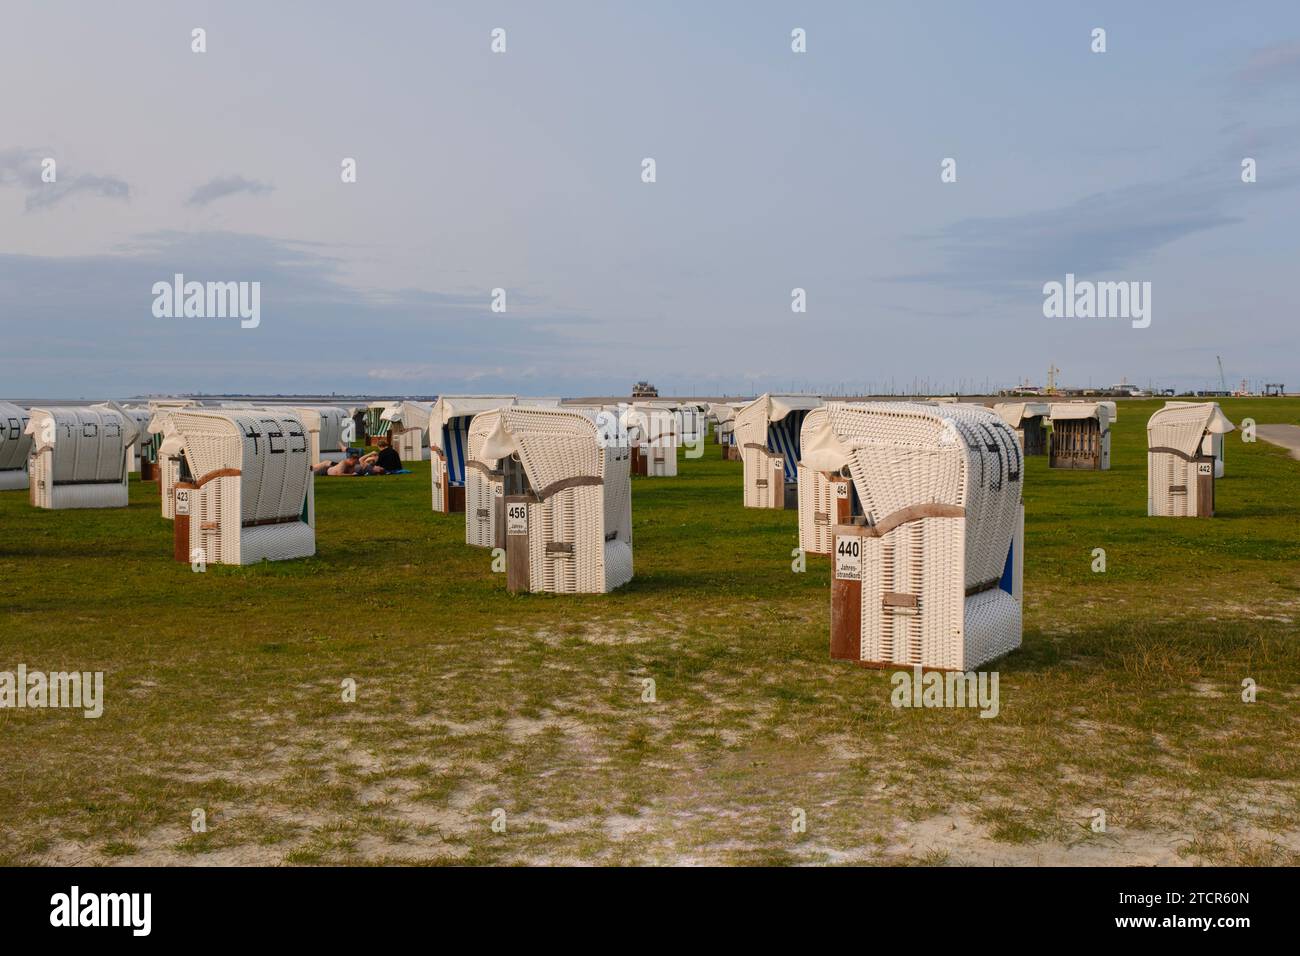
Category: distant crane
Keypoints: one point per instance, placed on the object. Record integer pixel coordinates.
(1223, 379)
(1052, 372)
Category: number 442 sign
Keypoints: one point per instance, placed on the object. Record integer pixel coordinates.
(848, 557)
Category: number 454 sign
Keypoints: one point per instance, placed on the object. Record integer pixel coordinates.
(848, 557)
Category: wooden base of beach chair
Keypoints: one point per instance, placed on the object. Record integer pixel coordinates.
(790, 501)
(517, 556)
(456, 499)
(846, 595)
(182, 493)
(148, 472)
(640, 464)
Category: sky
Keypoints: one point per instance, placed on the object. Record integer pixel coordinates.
(522, 170)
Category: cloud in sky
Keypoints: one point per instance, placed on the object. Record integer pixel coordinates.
(1094, 235)
(224, 186)
(89, 320)
(1271, 65)
(776, 170)
(22, 167)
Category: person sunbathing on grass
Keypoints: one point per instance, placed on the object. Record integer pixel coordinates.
(347, 466)
(380, 462)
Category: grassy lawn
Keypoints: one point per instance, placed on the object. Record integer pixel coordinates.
(223, 690)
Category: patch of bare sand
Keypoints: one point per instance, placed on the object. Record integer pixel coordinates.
(966, 842)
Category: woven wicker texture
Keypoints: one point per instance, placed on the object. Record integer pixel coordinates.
(15, 447)
(482, 490)
(253, 470)
(579, 536)
(655, 430)
(79, 457)
(906, 456)
(817, 506)
(1191, 431)
(763, 484)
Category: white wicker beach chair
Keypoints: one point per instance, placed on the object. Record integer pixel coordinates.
(325, 427)
(652, 434)
(568, 501)
(1029, 421)
(692, 423)
(1081, 435)
(767, 431)
(79, 457)
(826, 493)
(931, 573)
(723, 416)
(167, 459)
(153, 438)
(448, 428)
(1181, 463)
(15, 447)
(409, 429)
(245, 491)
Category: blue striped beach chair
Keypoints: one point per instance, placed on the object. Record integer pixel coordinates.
(768, 430)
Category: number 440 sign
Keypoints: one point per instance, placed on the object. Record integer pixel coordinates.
(848, 557)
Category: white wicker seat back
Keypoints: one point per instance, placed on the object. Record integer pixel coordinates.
(940, 490)
(724, 418)
(15, 447)
(484, 485)
(1182, 441)
(253, 499)
(823, 491)
(79, 457)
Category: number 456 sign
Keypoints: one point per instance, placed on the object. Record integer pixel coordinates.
(516, 518)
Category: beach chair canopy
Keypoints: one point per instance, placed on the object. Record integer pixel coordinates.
(1014, 413)
(906, 456)
(555, 446)
(449, 419)
(408, 414)
(652, 423)
(820, 448)
(774, 422)
(1075, 411)
(1183, 426)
